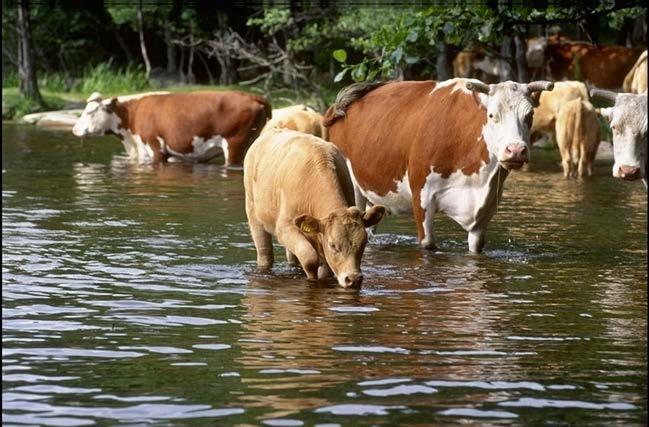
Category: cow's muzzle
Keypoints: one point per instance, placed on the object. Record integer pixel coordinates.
(515, 156)
(352, 280)
(629, 173)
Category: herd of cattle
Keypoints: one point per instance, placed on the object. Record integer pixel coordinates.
(318, 182)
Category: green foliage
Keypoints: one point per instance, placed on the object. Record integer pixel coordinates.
(15, 106)
(617, 18)
(275, 19)
(103, 78)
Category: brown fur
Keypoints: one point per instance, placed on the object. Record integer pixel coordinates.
(178, 118)
(577, 137)
(346, 97)
(603, 66)
(550, 102)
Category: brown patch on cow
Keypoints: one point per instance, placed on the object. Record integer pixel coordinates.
(403, 126)
(178, 118)
(347, 96)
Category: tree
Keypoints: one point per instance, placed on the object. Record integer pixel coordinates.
(26, 66)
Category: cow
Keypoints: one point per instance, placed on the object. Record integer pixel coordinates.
(549, 103)
(427, 147)
(193, 127)
(636, 80)
(601, 66)
(578, 137)
(300, 118)
(477, 64)
(628, 121)
(298, 189)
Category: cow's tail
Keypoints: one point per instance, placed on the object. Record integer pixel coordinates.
(266, 104)
(346, 97)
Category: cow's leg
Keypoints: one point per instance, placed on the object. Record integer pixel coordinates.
(291, 258)
(324, 271)
(476, 240)
(583, 165)
(263, 244)
(424, 222)
(295, 242)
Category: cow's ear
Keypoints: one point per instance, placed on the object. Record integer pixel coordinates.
(607, 113)
(373, 215)
(307, 224)
(111, 104)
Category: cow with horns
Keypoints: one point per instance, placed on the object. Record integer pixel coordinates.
(628, 121)
(427, 147)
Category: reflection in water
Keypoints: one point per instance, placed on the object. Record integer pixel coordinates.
(130, 296)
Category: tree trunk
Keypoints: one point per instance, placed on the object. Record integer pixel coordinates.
(171, 49)
(190, 64)
(521, 59)
(507, 70)
(123, 45)
(207, 67)
(442, 63)
(27, 69)
(140, 29)
(181, 65)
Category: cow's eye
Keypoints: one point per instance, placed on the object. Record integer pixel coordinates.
(491, 116)
(333, 247)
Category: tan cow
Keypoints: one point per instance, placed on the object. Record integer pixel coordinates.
(298, 117)
(299, 190)
(636, 80)
(578, 136)
(550, 102)
(193, 127)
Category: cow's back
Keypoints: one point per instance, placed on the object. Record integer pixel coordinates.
(285, 171)
(550, 102)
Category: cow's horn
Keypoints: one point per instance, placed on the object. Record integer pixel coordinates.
(540, 85)
(478, 87)
(603, 94)
(95, 96)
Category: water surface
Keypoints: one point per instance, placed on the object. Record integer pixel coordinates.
(130, 297)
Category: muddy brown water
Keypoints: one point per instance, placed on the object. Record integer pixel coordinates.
(130, 297)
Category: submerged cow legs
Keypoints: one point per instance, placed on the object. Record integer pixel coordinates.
(476, 240)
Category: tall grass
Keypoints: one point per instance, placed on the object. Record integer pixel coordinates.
(102, 77)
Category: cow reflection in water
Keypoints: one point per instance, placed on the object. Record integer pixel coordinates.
(323, 341)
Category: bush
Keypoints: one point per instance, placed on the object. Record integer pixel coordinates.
(104, 78)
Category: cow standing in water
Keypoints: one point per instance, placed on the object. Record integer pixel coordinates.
(628, 121)
(427, 147)
(192, 127)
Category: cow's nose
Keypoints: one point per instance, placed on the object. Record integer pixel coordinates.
(629, 173)
(516, 152)
(353, 280)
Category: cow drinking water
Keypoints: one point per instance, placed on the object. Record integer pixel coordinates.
(298, 189)
(193, 127)
(427, 147)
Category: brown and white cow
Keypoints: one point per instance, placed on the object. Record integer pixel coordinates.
(193, 127)
(299, 190)
(298, 117)
(602, 66)
(628, 121)
(578, 137)
(427, 147)
(636, 80)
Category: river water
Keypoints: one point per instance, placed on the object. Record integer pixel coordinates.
(130, 297)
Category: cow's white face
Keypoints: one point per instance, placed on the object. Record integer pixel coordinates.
(628, 121)
(97, 118)
(509, 118)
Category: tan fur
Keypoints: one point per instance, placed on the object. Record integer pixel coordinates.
(297, 117)
(636, 80)
(299, 190)
(577, 137)
(550, 102)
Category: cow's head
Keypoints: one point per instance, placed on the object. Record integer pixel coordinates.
(509, 118)
(535, 53)
(97, 118)
(628, 121)
(342, 237)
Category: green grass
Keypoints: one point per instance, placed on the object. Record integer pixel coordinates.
(60, 91)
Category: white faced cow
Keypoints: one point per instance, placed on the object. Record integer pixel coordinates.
(427, 147)
(192, 127)
(628, 121)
